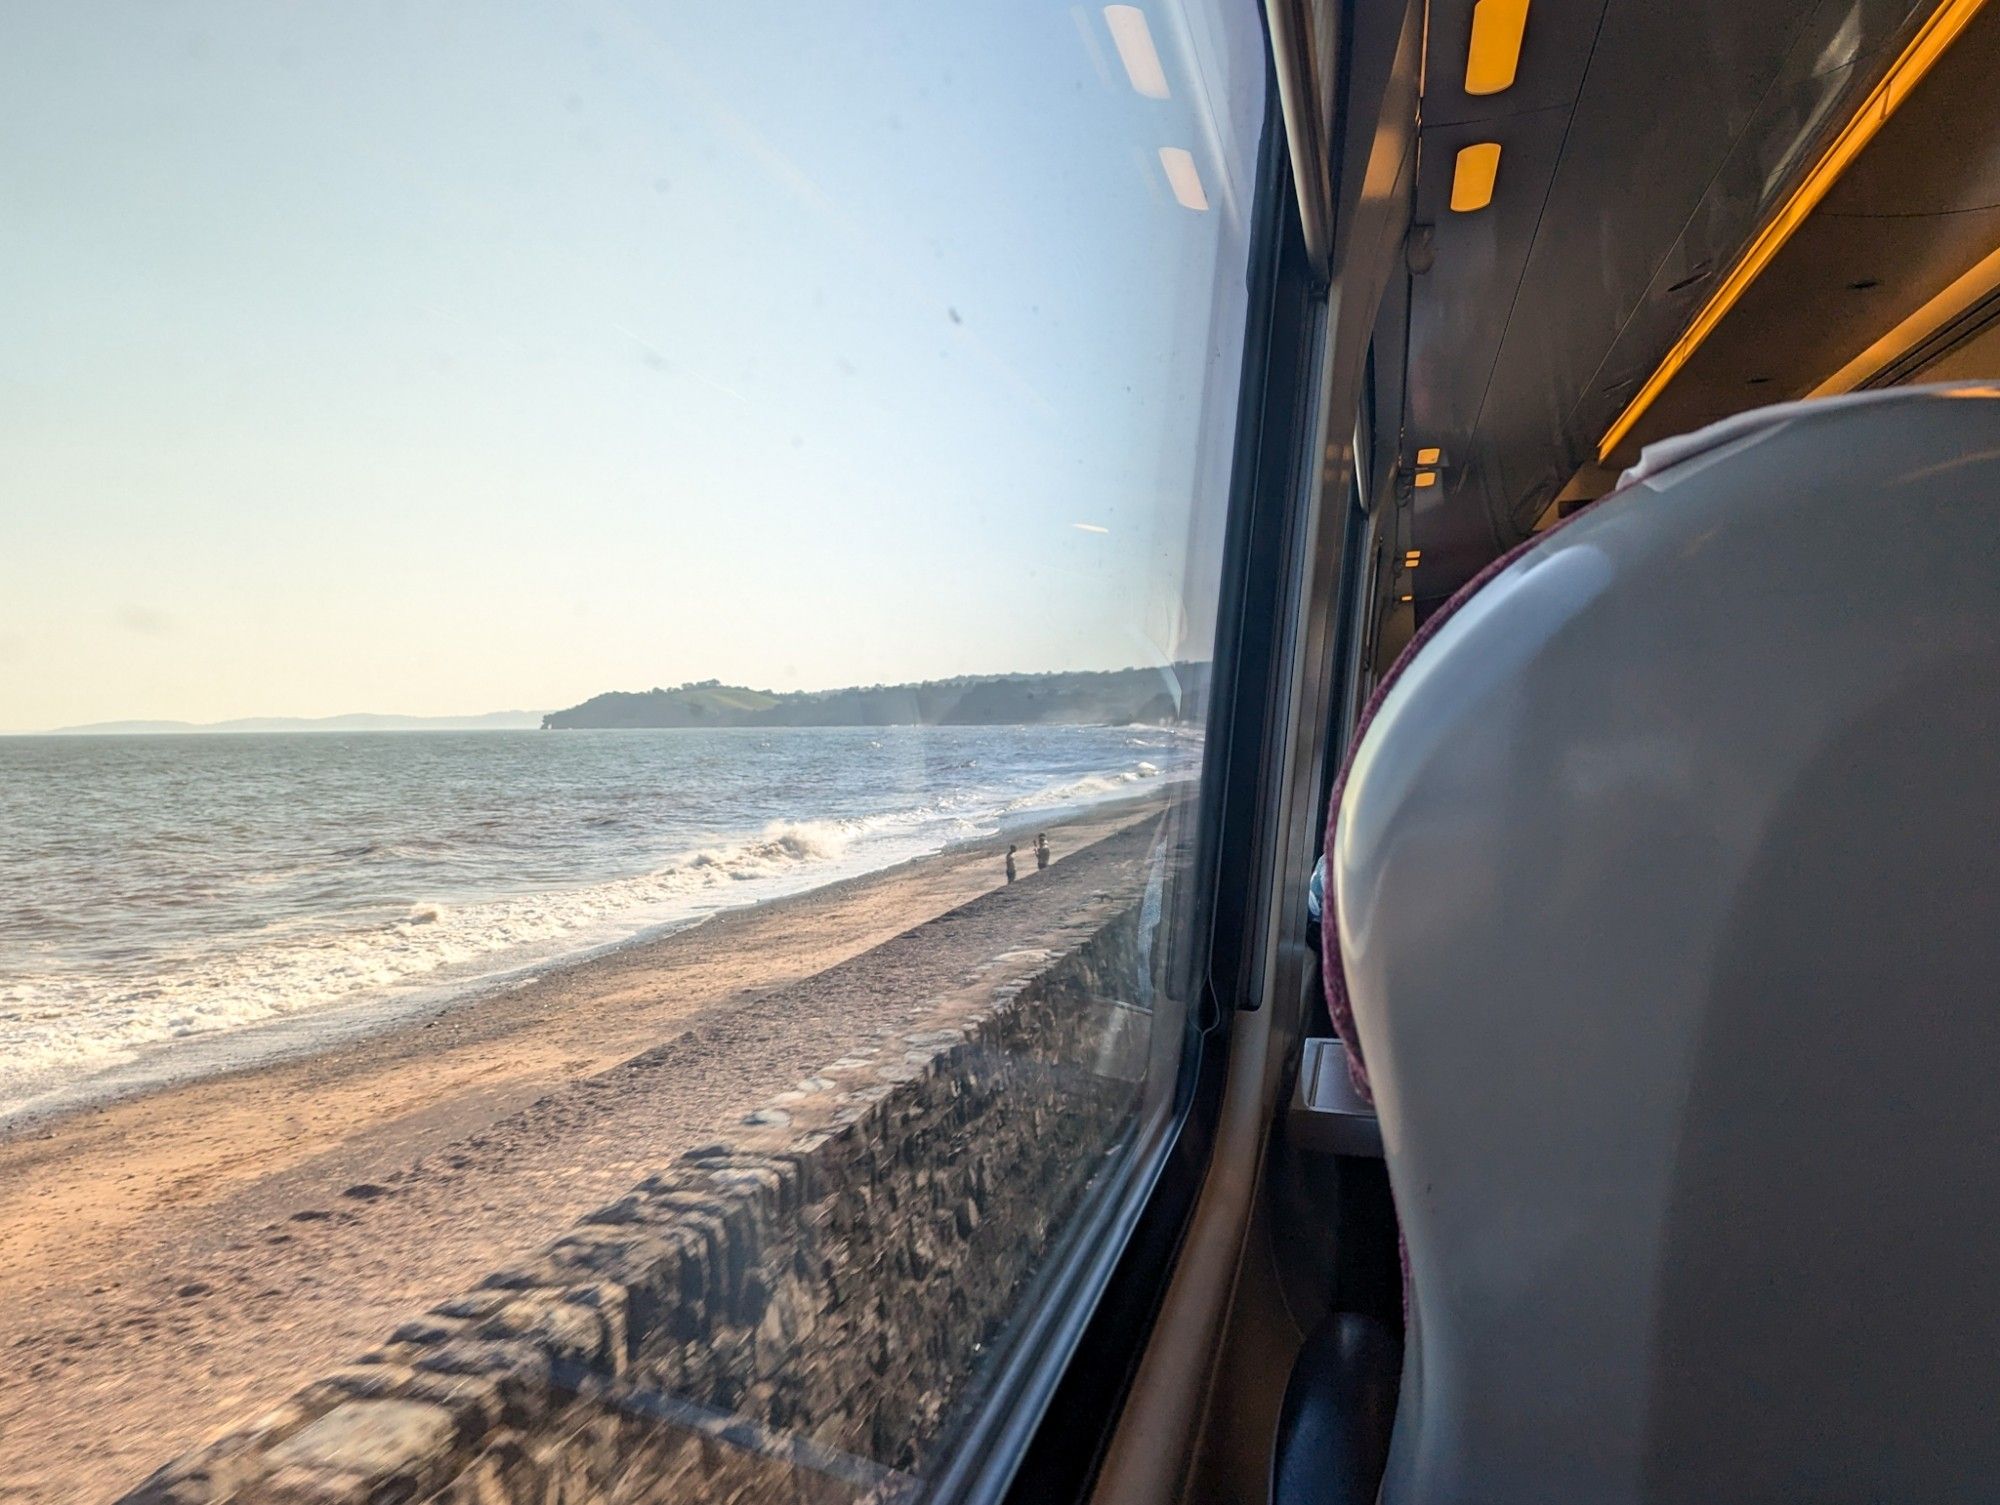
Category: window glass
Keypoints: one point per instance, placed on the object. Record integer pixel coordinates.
(605, 617)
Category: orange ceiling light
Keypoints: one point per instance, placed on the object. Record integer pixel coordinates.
(1473, 176)
(1931, 42)
(1971, 286)
(1495, 54)
(1429, 455)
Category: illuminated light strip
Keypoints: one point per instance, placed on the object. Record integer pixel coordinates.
(1134, 41)
(1968, 288)
(1473, 176)
(1183, 177)
(1494, 55)
(1930, 43)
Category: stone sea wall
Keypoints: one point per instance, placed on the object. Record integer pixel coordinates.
(792, 1314)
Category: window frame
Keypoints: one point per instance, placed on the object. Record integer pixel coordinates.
(1055, 1399)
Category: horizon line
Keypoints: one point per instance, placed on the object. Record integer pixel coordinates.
(162, 726)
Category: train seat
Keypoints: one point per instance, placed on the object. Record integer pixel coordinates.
(1666, 883)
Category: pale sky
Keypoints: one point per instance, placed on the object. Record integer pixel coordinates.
(457, 355)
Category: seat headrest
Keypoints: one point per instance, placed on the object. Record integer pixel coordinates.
(1666, 888)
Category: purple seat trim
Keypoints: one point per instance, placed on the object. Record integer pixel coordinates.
(1332, 974)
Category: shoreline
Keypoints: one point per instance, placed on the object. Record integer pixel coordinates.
(179, 1259)
(168, 1064)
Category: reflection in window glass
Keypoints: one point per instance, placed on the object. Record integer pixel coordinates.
(607, 608)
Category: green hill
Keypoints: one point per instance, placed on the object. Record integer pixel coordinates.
(1110, 697)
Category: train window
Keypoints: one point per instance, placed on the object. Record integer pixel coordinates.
(608, 614)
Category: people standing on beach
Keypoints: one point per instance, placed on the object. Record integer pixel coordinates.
(1010, 864)
(1041, 850)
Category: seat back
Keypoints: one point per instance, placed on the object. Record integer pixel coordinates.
(1667, 880)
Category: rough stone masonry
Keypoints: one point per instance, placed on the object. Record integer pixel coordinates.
(790, 1315)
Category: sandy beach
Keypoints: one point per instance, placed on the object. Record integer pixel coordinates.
(174, 1260)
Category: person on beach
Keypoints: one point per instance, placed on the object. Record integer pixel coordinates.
(1041, 850)
(1010, 864)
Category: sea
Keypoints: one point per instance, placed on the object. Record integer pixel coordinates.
(164, 896)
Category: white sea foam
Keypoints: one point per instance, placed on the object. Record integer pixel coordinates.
(51, 1025)
(1083, 791)
(782, 844)
(63, 1019)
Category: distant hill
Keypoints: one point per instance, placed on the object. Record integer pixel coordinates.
(492, 721)
(1110, 697)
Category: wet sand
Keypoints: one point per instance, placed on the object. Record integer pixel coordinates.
(173, 1261)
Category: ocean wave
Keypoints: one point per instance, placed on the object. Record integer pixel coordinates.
(348, 928)
(60, 1024)
(1090, 787)
(782, 844)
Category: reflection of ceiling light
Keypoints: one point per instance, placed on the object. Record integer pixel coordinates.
(1933, 39)
(1472, 178)
(1969, 289)
(1427, 478)
(1183, 178)
(1136, 51)
(1495, 53)
(1429, 456)
(1089, 528)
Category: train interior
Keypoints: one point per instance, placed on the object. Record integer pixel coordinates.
(1530, 243)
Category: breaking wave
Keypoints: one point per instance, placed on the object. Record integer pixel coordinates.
(782, 843)
(266, 906)
(1090, 788)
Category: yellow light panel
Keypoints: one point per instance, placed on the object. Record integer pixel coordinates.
(1495, 54)
(1429, 456)
(1930, 43)
(1427, 478)
(1473, 175)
